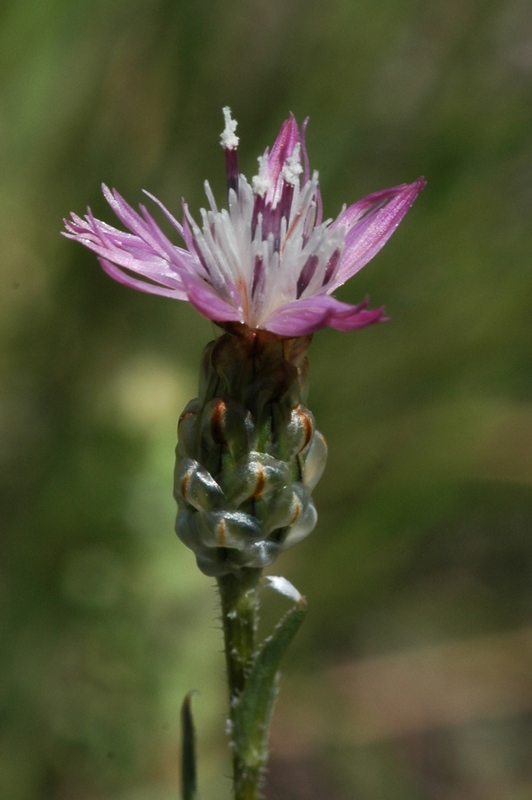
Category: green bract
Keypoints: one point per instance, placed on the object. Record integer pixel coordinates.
(248, 453)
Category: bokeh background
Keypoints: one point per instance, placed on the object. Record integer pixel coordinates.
(412, 676)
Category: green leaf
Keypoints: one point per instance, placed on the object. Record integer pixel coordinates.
(251, 717)
(188, 752)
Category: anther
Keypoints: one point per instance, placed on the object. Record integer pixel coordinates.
(229, 142)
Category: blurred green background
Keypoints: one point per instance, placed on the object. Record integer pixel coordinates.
(412, 677)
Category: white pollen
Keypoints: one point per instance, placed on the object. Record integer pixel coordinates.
(228, 139)
(292, 168)
(261, 182)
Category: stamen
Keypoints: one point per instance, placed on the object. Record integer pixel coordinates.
(281, 235)
(292, 168)
(203, 262)
(331, 266)
(301, 204)
(261, 182)
(229, 142)
(210, 196)
(271, 224)
(231, 168)
(204, 251)
(258, 273)
(306, 274)
(319, 204)
(258, 208)
(228, 137)
(309, 222)
(285, 203)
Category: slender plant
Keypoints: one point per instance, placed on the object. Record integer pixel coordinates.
(248, 454)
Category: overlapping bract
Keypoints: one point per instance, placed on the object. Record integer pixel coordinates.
(248, 457)
(262, 509)
(268, 261)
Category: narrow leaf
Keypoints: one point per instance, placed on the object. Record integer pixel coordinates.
(251, 717)
(188, 752)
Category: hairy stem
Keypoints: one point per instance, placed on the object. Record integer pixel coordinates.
(240, 605)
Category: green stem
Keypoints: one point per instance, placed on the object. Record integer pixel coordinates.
(240, 605)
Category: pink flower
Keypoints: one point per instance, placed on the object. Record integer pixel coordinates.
(268, 261)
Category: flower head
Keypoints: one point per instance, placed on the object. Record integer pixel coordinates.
(268, 261)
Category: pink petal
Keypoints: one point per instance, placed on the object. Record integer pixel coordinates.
(177, 225)
(129, 252)
(367, 234)
(144, 227)
(208, 302)
(282, 149)
(303, 317)
(375, 200)
(134, 283)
